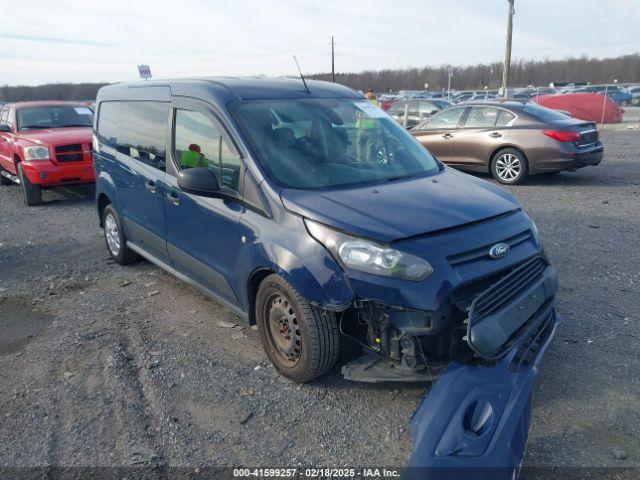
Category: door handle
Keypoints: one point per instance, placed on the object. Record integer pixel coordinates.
(151, 186)
(495, 135)
(447, 136)
(173, 198)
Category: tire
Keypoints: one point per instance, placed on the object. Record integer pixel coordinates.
(115, 239)
(4, 180)
(509, 166)
(302, 341)
(32, 192)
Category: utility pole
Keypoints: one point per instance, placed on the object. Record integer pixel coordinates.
(507, 54)
(333, 63)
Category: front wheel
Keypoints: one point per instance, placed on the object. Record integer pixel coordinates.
(31, 191)
(509, 166)
(302, 341)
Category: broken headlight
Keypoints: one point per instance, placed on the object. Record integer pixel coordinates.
(369, 256)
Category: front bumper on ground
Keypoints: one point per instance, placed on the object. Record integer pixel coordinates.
(47, 174)
(474, 422)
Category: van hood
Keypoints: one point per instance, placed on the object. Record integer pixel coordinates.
(57, 136)
(403, 208)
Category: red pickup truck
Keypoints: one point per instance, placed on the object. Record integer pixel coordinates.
(45, 144)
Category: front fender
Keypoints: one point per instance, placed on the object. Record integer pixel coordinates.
(302, 262)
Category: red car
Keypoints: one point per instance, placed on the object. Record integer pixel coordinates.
(45, 144)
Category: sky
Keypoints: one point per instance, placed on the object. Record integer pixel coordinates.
(44, 41)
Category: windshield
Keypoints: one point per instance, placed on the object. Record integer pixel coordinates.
(323, 143)
(54, 116)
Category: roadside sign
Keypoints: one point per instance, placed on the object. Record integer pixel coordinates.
(450, 71)
(144, 71)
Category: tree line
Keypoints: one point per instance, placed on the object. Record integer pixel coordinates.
(626, 69)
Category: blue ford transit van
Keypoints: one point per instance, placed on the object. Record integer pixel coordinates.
(308, 211)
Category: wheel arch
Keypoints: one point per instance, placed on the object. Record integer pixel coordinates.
(497, 150)
(255, 279)
(102, 201)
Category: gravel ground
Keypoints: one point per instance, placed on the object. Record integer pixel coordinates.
(103, 365)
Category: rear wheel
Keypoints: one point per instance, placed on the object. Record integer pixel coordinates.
(302, 341)
(31, 191)
(114, 236)
(509, 166)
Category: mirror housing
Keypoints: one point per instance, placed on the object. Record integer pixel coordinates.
(199, 181)
(5, 128)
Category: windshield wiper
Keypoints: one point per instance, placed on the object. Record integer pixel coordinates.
(34, 127)
(399, 177)
(73, 125)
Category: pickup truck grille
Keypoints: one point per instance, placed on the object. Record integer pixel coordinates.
(70, 153)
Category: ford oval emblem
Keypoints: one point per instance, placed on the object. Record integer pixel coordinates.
(499, 250)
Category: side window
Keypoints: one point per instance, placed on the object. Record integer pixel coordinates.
(505, 118)
(108, 123)
(482, 117)
(9, 119)
(200, 143)
(3, 116)
(142, 131)
(427, 107)
(446, 119)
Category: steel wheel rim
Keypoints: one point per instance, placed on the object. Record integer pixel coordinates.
(508, 167)
(111, 234)
(283, 329)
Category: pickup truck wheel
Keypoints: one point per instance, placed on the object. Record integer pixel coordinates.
(32, 192)
(4, 180)
(302, 341)
(114, 236)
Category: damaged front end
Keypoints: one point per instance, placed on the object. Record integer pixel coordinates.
(482, 346)
(483, 321)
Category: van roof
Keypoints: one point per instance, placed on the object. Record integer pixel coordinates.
(225, 89)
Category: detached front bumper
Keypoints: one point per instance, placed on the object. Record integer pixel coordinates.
(474, 422)
(47, 174)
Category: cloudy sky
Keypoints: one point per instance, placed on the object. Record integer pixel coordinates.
(95, 40)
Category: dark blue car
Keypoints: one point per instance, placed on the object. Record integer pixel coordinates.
(313, 214)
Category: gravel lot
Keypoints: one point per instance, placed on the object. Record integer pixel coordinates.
(102, 365)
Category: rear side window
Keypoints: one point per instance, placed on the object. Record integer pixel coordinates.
(200, 143)
(445, 119)
(135, 129)
(482, 117)
(505, 118)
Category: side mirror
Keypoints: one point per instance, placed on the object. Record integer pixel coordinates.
(199, 181)
(5, 128)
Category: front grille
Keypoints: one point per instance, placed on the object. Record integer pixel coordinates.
(508, 288)
(69, 153)
(483, 252)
